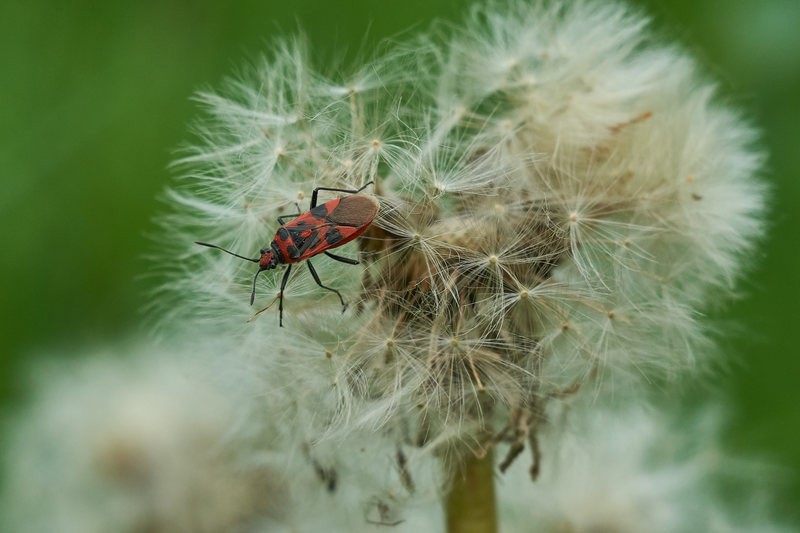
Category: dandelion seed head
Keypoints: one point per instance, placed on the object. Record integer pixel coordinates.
(560, 196)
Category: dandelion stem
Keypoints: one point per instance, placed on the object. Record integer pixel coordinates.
(470, 504)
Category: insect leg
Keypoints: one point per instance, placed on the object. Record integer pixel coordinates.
(340, 258)
(281, 218)
(350, 191)
(316, 278)
(280, 295)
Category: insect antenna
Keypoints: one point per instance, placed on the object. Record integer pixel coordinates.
(226, 251)
(253, 293)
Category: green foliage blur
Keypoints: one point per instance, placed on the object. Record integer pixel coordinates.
(95, 98)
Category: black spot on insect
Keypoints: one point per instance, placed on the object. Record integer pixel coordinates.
(283, 234)
(294, 253)
(333, 236)
(276, 252)
(319, 211)
(311, 242)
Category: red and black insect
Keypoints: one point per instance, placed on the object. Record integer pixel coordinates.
(314, 232)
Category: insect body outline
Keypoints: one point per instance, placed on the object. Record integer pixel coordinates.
(321, 228)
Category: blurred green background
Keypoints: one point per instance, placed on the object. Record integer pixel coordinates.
(95, 97)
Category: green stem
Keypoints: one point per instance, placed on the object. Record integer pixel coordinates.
(470, 505)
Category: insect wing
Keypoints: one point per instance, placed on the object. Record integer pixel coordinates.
(329, 225)
(327, 237)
